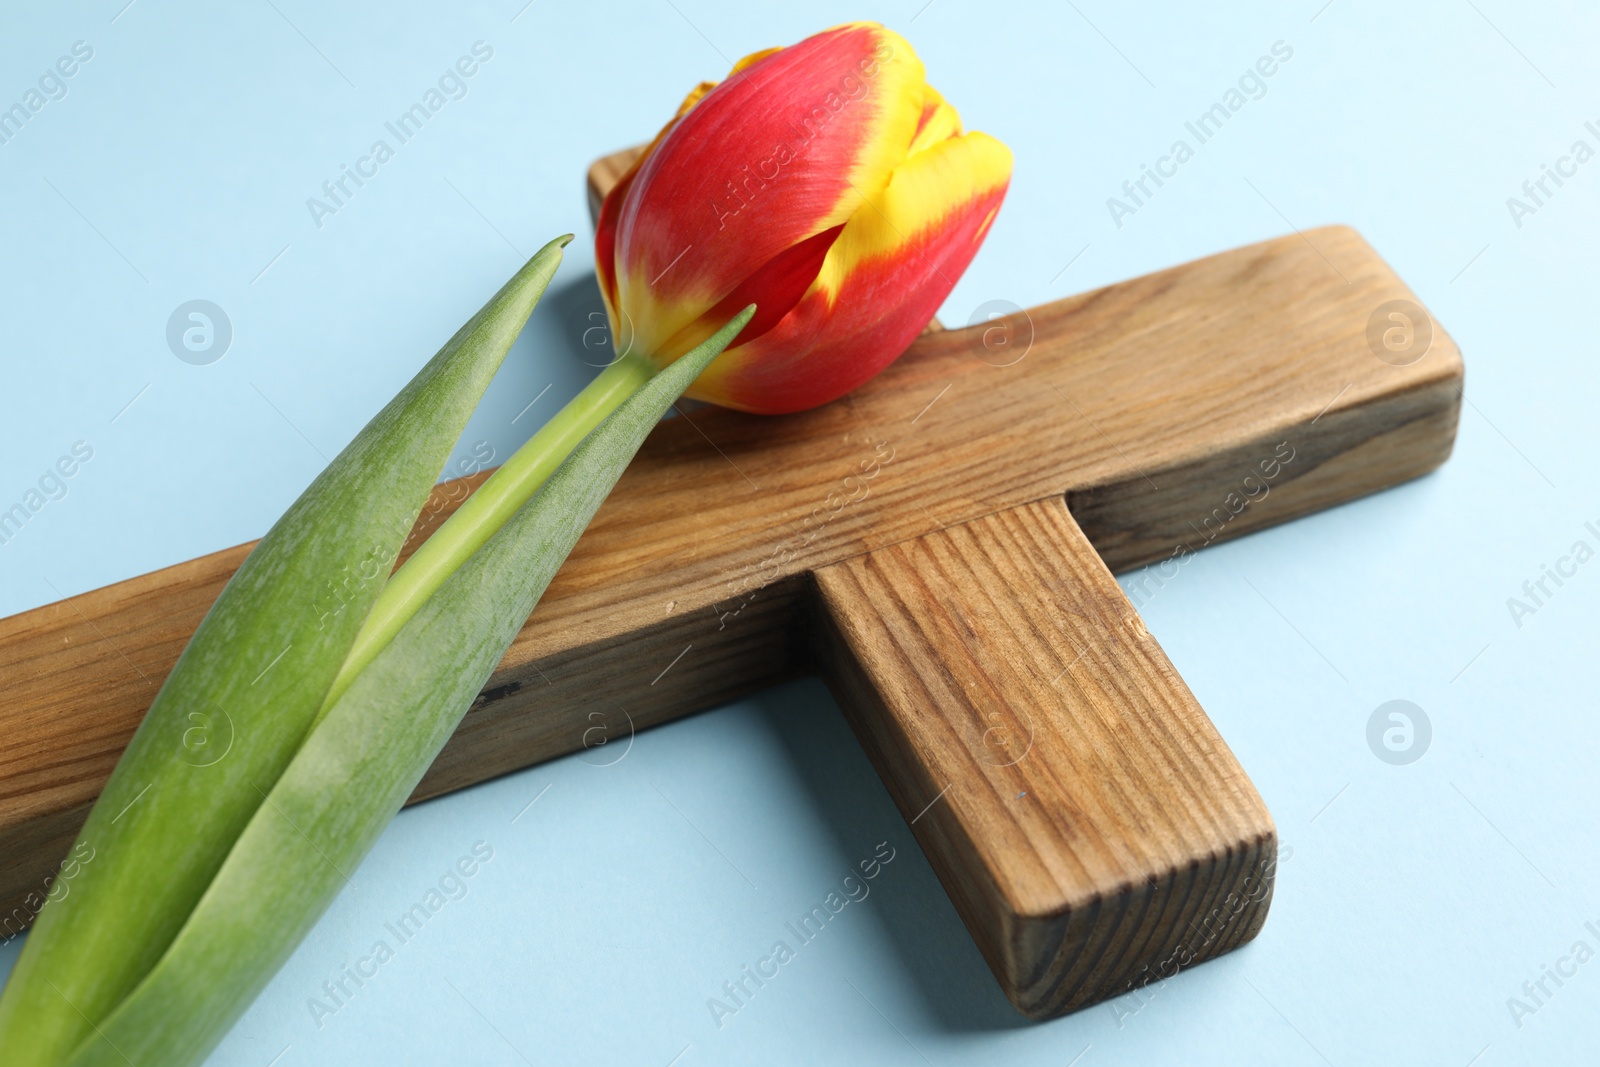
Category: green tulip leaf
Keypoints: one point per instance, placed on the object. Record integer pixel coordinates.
(236, 708)
(364, 758)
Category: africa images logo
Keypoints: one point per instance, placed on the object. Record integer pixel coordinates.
(1399, 732)
(338, 191)
(1203, 128)
(199, 332)
(51, 486)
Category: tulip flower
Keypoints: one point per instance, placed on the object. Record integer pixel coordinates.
(827, 183)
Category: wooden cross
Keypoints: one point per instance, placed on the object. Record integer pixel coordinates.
(939, 546)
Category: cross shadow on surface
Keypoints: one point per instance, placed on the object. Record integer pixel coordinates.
(958, 992)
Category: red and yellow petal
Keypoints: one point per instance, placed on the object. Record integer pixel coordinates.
(883, 279)
(786, 149)
(605, 230)
(752, 59)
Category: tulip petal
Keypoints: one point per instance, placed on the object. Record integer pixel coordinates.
(605, 237)
(882, 281)
(939, 122)
(752, 59)
(605, 230)
(775, 289)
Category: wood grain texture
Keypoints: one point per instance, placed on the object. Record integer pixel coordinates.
(1083, 813)
(1145, 405)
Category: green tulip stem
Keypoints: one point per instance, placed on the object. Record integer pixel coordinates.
(485, 511)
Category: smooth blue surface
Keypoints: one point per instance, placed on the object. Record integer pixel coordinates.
(1417, 898)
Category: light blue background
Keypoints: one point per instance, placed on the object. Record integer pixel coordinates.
(1417, 898)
